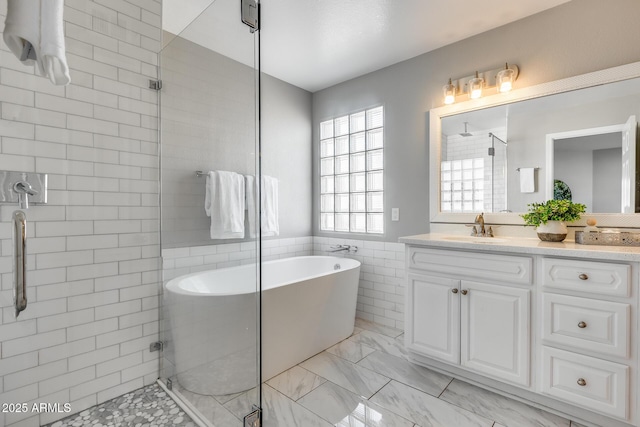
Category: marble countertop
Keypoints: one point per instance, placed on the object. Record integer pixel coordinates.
(525, 245)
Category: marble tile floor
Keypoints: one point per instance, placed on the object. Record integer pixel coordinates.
(366, 381)
(149, 407)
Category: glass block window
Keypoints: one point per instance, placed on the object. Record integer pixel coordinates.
(462, 185)
(351, 173)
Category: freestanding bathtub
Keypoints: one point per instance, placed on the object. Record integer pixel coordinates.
(308, 305)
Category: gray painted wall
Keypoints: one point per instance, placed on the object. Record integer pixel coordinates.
(607, 169)
(286, 153)
(208, 123)
(576, 170)
(575, 38)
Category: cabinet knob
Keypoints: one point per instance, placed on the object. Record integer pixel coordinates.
(582, 382)
(582, 325)
(454, 290)
(464, 291)
(583, 276)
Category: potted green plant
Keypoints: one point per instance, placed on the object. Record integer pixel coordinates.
(550, 218)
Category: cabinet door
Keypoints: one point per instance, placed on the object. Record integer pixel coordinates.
(433, 317)
(495, 330)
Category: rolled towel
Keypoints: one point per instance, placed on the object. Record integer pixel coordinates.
(53, 58)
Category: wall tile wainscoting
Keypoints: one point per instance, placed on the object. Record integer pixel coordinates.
(381, 287)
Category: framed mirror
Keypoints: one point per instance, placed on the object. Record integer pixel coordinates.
(568, 138)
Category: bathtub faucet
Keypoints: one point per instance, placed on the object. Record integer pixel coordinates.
(346, 248)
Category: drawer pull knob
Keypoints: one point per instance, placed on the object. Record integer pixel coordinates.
(582, 382)
(582, 325)
(464, 291)
(583, 276)
(454, 290)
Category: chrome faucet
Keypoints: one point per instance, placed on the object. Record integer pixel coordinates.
(346, 248)
(24, 190)
(480, 222)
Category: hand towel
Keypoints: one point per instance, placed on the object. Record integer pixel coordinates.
(52, 49)
(22, 30)
(251, 192)
(224, 203)
(269, 198)
(527, 180)
(268, 209)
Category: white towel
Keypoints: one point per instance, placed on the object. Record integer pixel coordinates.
(269, 198)
(251, 190)
(269, 208)
(224, 203)
(34, 33)
(22, 30)
(527, 180)
(52, 48)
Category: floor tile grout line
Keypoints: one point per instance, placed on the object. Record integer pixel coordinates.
(299, 404)
(458, 406)
(313, 373)
(445, 388)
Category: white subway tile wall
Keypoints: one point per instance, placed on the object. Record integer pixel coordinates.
(93, 254)
(382, 278)
(382, 274)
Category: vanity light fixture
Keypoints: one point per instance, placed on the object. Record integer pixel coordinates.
(505, 79)
(475, 87)
(449, 93)
(502, 78)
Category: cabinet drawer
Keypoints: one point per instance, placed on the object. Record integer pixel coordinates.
(587, 276)
(472, 265)
(586, 324)
(595, 384)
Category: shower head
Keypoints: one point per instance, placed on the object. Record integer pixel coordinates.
(465, 133)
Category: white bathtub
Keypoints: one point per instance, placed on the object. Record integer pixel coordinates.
(308, 305)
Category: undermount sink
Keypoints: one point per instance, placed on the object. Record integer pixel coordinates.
(472, 239)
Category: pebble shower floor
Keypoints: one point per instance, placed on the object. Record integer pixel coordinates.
(150, 406)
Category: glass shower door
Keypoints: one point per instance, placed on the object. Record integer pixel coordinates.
(209, 111)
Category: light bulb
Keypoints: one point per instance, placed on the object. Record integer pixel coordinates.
(505, 87)
(475, 87)
(505, 78)
(449, 93)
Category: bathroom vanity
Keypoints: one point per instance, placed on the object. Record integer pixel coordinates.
(552, 323)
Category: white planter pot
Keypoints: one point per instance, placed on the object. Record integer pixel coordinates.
(552, 231)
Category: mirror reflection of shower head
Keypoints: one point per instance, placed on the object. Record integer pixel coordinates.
(491, 135)
(465, 133)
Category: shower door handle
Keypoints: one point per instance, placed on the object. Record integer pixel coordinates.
(20, 226)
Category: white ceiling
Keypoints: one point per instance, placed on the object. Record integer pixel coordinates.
(315, 44)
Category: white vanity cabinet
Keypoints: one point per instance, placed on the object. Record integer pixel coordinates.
(467, 309)
(555, 327)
